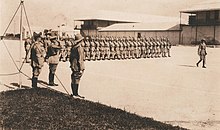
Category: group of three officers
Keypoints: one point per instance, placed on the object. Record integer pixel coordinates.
(39, 54)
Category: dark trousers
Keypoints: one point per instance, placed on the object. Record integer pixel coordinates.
(35, 73)
(202, 59)
(52, 69)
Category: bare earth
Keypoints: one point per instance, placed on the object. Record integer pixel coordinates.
(171, 90)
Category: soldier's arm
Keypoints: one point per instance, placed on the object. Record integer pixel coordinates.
(81, 56)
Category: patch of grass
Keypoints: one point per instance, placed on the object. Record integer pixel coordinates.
(48, 109)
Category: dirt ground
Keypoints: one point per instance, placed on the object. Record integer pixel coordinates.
(171, 89)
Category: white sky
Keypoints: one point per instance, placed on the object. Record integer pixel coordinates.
(50, 13)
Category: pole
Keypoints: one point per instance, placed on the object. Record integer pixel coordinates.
(214, 32)
(20, 57)
(180, 28)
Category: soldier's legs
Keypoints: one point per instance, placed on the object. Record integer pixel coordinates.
(204, 62)
(52, 69)
(35, 73)
(200, 60)
(75, 79)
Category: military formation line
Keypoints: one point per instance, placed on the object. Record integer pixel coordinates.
(125, 48)
(112, 48)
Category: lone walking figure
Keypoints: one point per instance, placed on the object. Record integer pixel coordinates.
(202, 53)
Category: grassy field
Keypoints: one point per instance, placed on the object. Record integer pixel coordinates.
(48, 109)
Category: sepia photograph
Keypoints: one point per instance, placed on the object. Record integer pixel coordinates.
(109, 65)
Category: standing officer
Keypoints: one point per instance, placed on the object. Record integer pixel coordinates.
(202, 53)
(76, 64)
(37, 60)
(53, 59)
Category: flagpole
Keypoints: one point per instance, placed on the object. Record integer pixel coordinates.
(21, 37)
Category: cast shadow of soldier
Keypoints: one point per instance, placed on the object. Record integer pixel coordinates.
(190, 66)
(17, 85)
(26, 87)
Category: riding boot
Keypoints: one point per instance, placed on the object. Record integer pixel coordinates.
(51, 80)
(34, 82)
(73, 89)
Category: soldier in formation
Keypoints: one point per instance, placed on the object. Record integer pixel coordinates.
(112, 48)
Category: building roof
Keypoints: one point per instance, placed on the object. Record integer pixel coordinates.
(203, 6)
(125, 17)
(163, 26)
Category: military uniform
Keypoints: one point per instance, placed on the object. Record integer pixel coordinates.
(27, 47)
(87, 49)
(68, 48)
(53, 59)
(168, 47)
(92, 51)
(97, 49)
(76, 64)
(63, 53)
(112, 49)
(202, 53)
(107, 49)
(37, 60)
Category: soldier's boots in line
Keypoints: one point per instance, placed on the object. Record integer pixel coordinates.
(75, 88)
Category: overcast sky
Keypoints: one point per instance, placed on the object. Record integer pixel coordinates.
(50, 13)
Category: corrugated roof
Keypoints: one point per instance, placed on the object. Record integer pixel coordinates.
(141, 27)
(125, 17)
(203, 6)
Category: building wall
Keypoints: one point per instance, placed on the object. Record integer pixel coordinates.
(172, 35)
(190, 34)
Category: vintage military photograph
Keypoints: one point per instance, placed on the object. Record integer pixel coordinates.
(109, 64)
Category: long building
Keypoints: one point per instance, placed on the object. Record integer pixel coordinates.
(203, 22)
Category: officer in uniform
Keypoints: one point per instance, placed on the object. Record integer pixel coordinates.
(53, 59)
(37, 60)
(107, 48)
(202, 53)
(27, 47)
(76, 64)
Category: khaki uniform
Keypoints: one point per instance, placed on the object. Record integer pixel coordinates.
(202, 54)
(53, 56)
(27, 47)
(37, 61)
(77, 64)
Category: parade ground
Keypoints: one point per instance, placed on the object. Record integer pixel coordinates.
(171, 90)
